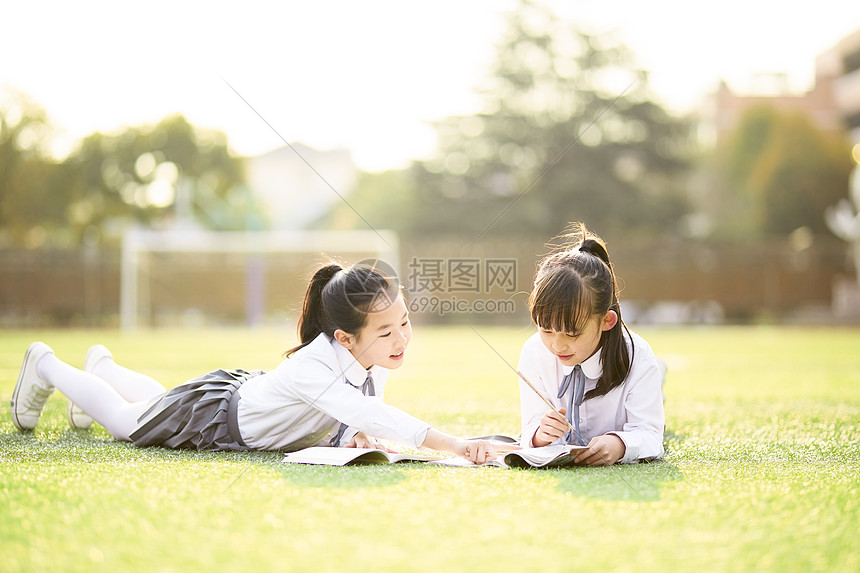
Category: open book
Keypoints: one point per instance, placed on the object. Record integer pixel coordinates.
(350, 456)
(546, 457)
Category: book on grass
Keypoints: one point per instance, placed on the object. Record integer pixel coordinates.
(552, 456)
(498, 439)
(546, 457)
(327, 456)
(459, 462)
(500, 442)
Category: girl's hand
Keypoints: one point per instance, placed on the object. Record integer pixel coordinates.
(553, 425)
(362, 440)
(477, 451)
(602, 450)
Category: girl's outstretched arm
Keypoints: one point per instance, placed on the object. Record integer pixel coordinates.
(477, 451)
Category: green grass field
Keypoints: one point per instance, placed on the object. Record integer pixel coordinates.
(762, 470)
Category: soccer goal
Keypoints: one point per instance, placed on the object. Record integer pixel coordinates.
(200, 277)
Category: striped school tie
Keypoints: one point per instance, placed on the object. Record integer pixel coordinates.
(576, 378)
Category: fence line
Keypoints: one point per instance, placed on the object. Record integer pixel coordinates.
(82, 286)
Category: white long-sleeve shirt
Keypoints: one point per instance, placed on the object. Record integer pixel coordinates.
(633, 411)
(302, 402)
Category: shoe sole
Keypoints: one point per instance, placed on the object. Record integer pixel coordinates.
(17, 391)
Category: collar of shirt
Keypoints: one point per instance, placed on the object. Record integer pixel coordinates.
(592, 367)
(353, 371)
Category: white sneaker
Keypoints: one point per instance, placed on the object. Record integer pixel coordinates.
(31, 393)
(77, 417)
(94, 355)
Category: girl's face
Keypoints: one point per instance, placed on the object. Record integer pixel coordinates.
(384, 338)
(572, 348)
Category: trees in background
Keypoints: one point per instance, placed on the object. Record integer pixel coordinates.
(112, 180)
(777, 173)
(567, 132)
(137, 173)
(28, 205)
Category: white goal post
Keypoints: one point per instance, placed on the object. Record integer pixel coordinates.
(137, 242)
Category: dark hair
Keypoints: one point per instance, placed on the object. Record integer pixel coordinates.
(341, 298)
(571, 287)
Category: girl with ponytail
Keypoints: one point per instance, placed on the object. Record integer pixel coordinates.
(603, 379)
(354, 328)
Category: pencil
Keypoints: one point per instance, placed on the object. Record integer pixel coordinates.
(542, 397)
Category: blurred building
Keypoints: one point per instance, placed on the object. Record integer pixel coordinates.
(297, 183)
(833, 102)
(725, 108)
(841, 64)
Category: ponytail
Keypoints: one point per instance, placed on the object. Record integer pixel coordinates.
(341, 298)
(311, 321)
(574, 284)
(594, 246)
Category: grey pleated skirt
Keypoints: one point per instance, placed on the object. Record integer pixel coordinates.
(195, 415)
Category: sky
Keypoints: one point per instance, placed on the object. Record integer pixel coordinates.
(370, 76)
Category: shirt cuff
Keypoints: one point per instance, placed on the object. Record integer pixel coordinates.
(528, 435)
(421, 436)
(631, 447)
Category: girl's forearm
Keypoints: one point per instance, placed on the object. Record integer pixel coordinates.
(441, 441)
(477, 451)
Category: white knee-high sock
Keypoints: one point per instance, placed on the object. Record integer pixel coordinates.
(131, 385)
(95, 396)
